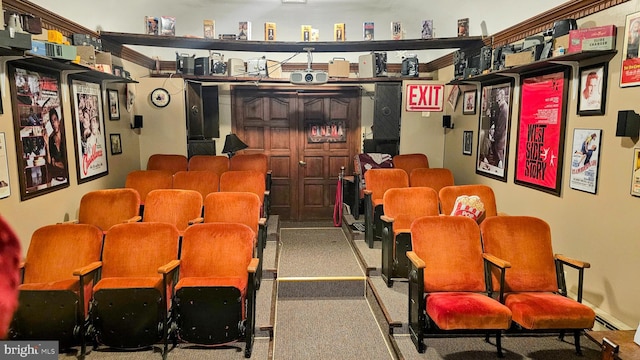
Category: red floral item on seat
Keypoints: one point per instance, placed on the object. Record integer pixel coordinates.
(469, 206)
(9, 275)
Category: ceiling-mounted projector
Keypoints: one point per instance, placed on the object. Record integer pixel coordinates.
(308, 77)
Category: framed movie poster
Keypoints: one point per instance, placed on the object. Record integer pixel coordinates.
(593, 89)
(585, 160)
(114, 104)
(88, 129)
(635, 180)
(469, 101)
(39, 130)
(630, 72)
(541, 128)
(493, 131)
(467, 142)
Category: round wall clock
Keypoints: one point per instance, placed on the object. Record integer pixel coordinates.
(160, 97)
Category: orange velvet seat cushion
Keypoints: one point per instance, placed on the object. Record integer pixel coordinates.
(549, 311)
(68, 284)
(129, 283)
(239, 283)
(459, 310)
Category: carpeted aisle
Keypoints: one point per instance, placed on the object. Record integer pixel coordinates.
(321, 312)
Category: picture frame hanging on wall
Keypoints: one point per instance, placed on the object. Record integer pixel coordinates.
(116, 144)
(629, 76)
(541, 129)
(90, 143)
(585, 160)
(493, 130)
(469, 101)
(39, 129)
(593, 89)
(467, 142)
(114, 104)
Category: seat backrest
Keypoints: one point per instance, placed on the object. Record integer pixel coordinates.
(380, 180)
(407, 204)
(105, 208)
(525, 242)
(257, 162)
(218, 164)
(435, 178)
(138, 249)
(216, 250)
(173, 206)
(143, 181)
(408, 162)
(233, 207)
(168, 162)
(244, 180)
(451, 248)
(55, 251)
(449, 194)
(202, 181)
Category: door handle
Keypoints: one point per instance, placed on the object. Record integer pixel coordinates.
(302, 163)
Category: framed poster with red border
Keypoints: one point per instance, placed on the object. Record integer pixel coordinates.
(541, 129)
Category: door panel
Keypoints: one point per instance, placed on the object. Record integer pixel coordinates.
(273, 121)
(318, 178)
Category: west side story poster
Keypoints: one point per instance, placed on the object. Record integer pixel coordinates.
(541, 132)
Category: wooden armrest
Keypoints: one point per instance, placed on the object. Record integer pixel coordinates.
(502, 264)
(417, 262)
(267, 193)
(500, 213)
(386, 218)
(136, 218)
(253, 265)
(367, 192)
(22, 264)
(76, 221)
(167, 268)
(573, 262)
(262, 222)
(87, 269)
(197, 220)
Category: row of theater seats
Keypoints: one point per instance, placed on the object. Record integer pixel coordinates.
(202, 181)
(378, 181)
(497, 277)
(139, 284)
(175, 163)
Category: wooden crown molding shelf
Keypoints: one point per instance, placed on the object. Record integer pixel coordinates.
(535, 25)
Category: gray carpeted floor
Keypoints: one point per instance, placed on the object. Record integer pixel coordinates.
(316, 252)
(327, 329)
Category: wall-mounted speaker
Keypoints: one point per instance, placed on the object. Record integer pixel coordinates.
(446, 122)
(628, 124)
(137, 122)
(387, 111)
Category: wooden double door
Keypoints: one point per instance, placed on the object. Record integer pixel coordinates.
(308, 134)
